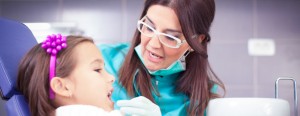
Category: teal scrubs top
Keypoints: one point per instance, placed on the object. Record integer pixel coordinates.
(170, 102)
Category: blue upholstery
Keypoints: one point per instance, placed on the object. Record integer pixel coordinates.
(15, 40)
(17, 106)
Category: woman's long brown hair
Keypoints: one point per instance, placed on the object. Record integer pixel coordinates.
(33, 74)
(195, 18)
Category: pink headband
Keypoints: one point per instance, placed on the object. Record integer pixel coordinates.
(53, 44)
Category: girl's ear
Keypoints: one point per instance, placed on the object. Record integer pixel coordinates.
(60, 87)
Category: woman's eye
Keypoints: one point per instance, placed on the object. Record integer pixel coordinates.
(170, 39)
(149, 29)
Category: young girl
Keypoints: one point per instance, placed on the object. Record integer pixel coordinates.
(80, 78)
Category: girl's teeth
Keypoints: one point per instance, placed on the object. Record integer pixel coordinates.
(109, 94)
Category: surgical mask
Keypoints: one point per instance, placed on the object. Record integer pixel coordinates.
(177, 66)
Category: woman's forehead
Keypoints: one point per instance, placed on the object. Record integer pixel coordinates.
(163, 17)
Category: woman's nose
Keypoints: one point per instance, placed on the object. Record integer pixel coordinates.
(154, 42)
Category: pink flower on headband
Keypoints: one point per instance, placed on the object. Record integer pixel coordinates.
(53, 44)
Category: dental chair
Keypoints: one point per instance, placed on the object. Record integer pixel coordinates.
(15, 40)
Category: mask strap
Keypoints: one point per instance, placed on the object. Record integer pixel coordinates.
(186, 53)
(182, 58)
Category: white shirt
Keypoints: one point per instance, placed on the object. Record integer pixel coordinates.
(84, 110)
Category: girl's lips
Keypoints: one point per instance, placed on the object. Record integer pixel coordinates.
(109, 94)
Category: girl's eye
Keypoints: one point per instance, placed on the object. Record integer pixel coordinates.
(98, 70)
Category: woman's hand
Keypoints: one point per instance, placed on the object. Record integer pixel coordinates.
(140, 106)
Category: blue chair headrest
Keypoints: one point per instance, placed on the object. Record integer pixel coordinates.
(15, 40)
(17, 106)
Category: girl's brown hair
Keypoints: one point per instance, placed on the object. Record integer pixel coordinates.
(33, 74)
(195, 18)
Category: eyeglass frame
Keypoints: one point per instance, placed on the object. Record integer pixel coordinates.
(157, 33)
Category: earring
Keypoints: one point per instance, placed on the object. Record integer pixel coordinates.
(191, 50)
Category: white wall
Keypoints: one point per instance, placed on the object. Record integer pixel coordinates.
(107, 21)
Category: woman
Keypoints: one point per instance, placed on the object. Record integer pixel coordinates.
(167, 61)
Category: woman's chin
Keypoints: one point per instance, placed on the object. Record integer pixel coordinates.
(152, 68)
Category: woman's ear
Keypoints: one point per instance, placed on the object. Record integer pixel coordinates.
(60, 87)
(201, 38)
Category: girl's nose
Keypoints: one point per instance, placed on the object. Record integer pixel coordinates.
(111, 78)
